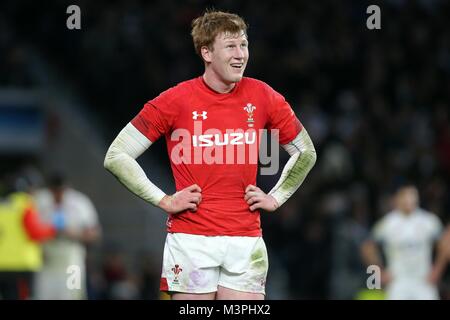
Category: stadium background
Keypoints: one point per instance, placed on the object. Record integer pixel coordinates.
(375, 102)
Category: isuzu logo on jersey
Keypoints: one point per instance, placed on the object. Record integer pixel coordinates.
(225, 146)
(250, 108)
(195, 115)
(235, 138)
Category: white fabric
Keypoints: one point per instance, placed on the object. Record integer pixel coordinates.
(234, 262)
(61, 253)
(120, 161)
(300, 143)
(411, 290)
(303, 158)
(408, 242)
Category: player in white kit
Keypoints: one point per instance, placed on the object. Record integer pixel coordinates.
(407, 235)
(64, 257)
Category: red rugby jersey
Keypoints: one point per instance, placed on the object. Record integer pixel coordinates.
(212, 140)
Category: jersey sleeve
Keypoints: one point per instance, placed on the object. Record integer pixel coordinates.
(281, 117)
(379, 231)
(158, 115)
(35, 228)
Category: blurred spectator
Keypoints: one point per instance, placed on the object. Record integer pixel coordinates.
(408, 234)
(120, 284)
(348, 269)
(21, 232)
(76, 213)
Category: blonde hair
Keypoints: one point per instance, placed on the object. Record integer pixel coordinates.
(206, 27)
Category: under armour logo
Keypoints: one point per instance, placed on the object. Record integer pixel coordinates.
(195, 115)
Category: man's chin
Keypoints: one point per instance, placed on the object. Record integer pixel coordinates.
(236, 79)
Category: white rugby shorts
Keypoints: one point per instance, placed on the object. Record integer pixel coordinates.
(198, 264)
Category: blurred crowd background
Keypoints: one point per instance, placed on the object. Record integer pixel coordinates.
(375, 102)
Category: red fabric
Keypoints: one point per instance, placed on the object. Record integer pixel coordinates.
(36, 229)
(23, 289)
(163, 286)
(223, 210)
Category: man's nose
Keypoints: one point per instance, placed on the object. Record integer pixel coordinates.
(239, 53)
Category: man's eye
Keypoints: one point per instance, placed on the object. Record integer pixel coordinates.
(230, 46)
(244, 45)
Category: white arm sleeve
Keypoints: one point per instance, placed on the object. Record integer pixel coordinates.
(303, 157)
(120, 161)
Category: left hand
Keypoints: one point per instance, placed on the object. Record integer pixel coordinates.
(258, 199)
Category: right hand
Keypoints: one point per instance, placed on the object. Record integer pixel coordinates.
(187, 199)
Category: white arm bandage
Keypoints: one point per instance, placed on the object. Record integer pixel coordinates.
(303, 157)
(120, 161)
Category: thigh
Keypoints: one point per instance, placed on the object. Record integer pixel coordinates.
(190, 265)
(245, 268)
(230, 294)
(193, 296)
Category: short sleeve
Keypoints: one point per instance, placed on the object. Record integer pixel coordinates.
(88, 213)
(379, 231)
(282, 117)
(158, 115)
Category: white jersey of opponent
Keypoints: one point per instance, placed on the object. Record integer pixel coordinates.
(61, 253)
(408, 243)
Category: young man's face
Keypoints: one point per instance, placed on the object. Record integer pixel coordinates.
(407, 199)
(228, 57)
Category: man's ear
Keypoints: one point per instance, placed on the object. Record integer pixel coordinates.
(206, 53)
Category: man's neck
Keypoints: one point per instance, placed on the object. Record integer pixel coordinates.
(407, 213)
(216, 84)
